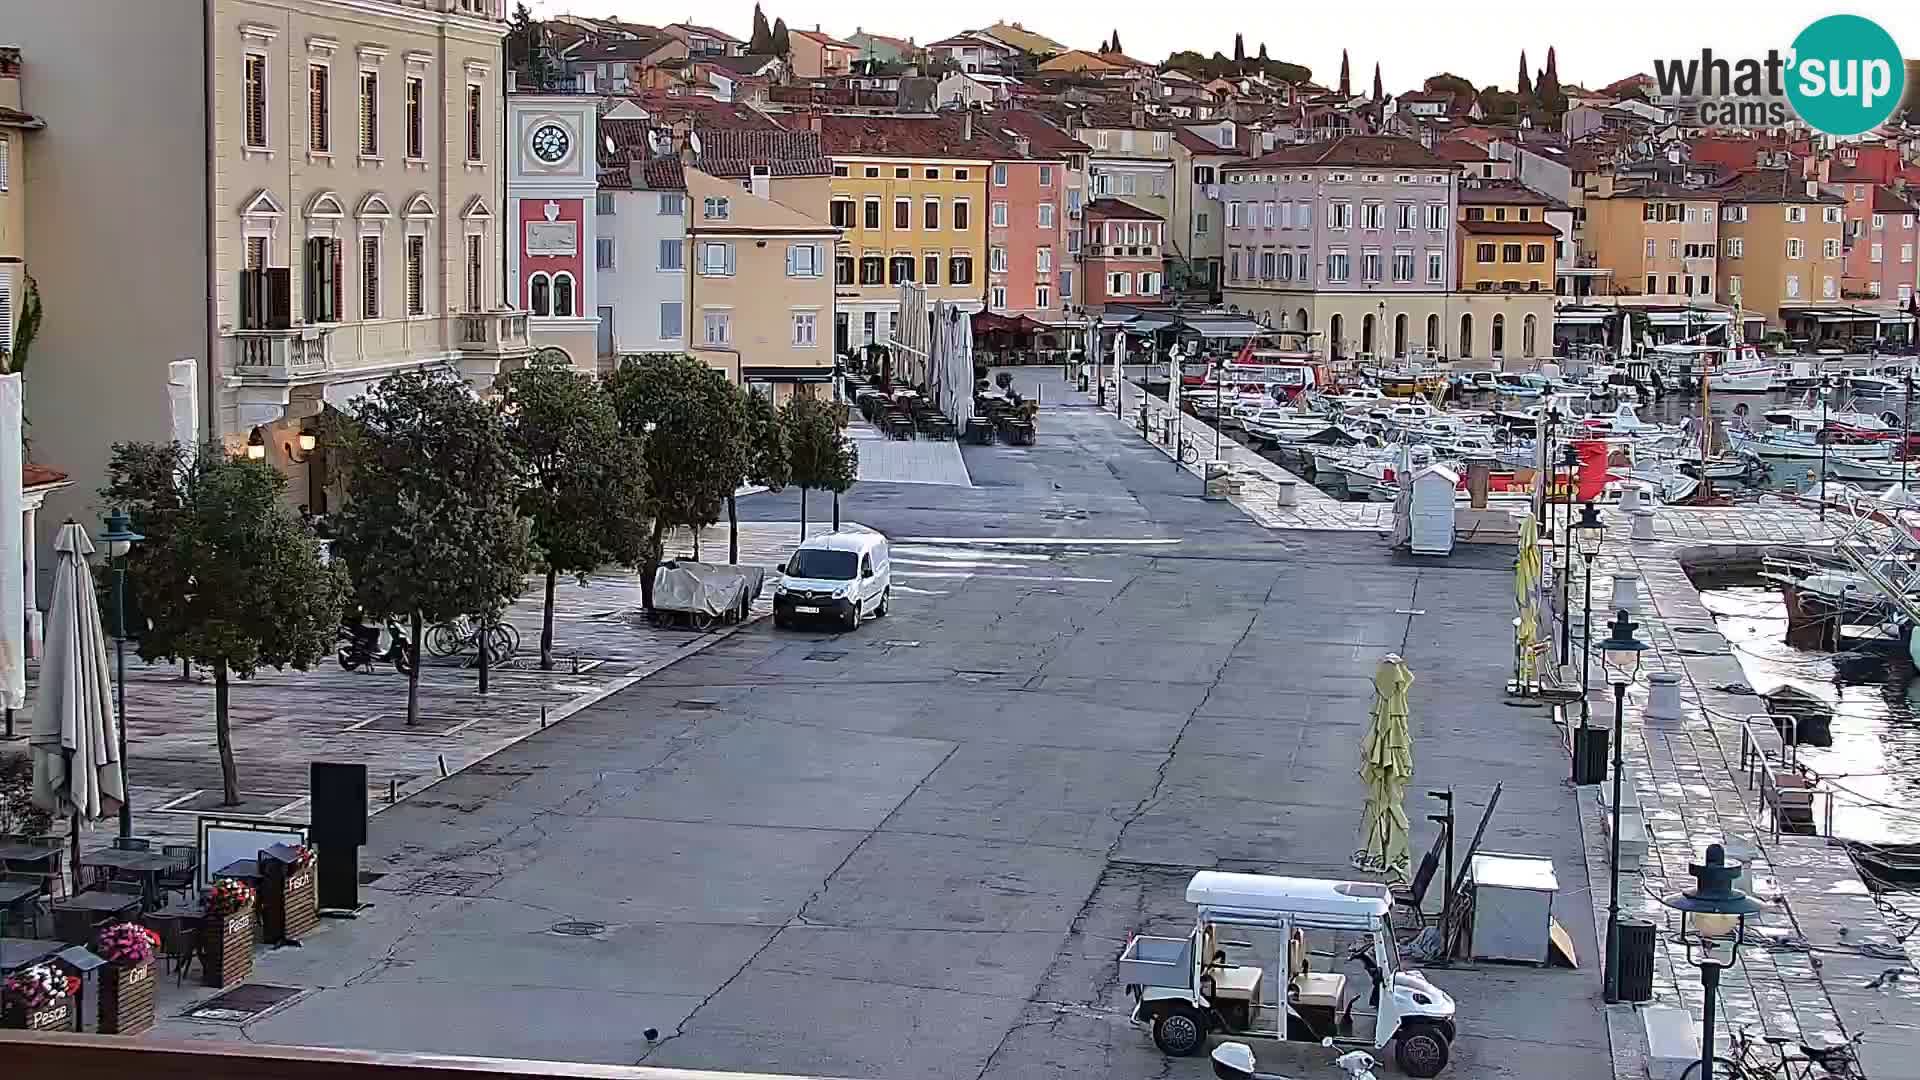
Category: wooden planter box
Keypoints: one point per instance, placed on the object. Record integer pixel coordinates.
(226, 948)
(56, 1015)
(126, 999)
(289, 904)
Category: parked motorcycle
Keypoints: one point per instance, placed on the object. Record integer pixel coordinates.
(361, 647)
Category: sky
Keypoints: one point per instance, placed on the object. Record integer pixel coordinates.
(1595, 43)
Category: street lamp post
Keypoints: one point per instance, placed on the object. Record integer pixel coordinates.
(1906, 421)
(1572, 462)
(1826, 381)
(1622, 652)
(1713, 919)
(120, 538)
(1588, 532)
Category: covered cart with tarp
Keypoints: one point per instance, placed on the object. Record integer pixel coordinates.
(701, 595)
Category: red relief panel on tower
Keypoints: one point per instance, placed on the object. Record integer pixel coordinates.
(551, 265)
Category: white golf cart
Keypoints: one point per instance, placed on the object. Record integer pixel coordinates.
(1261, 962)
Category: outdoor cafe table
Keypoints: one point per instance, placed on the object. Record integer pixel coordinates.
(11, 893)
(26, 853)
(16, 953)
(148, 864)
(96, 907)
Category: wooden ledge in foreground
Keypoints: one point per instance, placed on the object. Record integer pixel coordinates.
(101, 1057)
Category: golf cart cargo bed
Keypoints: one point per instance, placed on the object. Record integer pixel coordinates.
(1157, 961)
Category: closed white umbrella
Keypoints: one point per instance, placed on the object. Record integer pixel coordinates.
(76, 755)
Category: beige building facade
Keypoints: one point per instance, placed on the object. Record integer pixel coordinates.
(760, 292)
(302, 198)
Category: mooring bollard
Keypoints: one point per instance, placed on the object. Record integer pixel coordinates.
(1284, 493)
(1643, 524)
(1626, 592)
(1630, 499)
(1663, 696)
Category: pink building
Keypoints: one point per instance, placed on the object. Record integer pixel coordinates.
(1882, 240)
(1026, 233)
(1123, 255)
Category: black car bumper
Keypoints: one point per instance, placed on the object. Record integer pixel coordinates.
(803, 606)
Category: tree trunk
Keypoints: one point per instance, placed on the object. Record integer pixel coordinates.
(546, 624)
(836, 511)
(650, 565)
(695, 531)
(413, 673)
(803, 515)
(484, 652)
(733, 532)
(223, 736)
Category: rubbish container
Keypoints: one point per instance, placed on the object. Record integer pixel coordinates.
(1635, 981)
(1590, 754)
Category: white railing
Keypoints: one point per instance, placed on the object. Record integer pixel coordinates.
(500, 331)
(295, 353)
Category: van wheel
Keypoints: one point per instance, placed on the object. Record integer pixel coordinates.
(1421, 1050)
(1179, 1031)
(885, 595)
(853, 615)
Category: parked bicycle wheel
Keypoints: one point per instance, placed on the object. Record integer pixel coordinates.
(1188, 455)
(1725, 1068)
(445, 639)
(502, 643)
(405, 658)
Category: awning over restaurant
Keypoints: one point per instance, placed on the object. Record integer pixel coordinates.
(1571, 317)
(1835, 313)
(1682, 318)
(987, 322)
(1223, 328)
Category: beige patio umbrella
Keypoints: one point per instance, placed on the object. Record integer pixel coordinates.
(1526, 584)
(76, 740)
(1386, 768)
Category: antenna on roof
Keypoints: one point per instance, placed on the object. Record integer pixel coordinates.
(693, 141)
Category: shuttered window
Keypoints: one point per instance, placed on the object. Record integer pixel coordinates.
(256, 253)
(473, 122)
(319, 139)
(6, 160)
(256, 101)
(323, 280)
(416, 275)
(370, 113)
(416, 119)
(6, 315)
(476, 266)
(369, 277)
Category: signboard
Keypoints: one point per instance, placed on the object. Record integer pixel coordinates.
(553, 238)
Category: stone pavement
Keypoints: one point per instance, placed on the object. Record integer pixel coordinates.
(283, 720)
(1805, 975)
(884, 459)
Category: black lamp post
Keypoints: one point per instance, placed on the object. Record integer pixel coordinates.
(120, 538)
(1906, 421)
(1572, 463)
(1622, 652)
(1587, 534)
(1826, 382)
(1713, 919)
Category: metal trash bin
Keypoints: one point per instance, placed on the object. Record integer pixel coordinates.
(1635, 980)
(1590, 746)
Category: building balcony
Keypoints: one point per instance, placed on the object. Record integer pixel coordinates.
(302, 352)
(497, 334)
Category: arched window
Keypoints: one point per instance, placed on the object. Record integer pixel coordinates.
(1400, 336)
(1529, 332)
(1499, 336)
(1300, 322)
(1466, 335)
(1433, 334)
(1280, 320)
(563, 294)
(1334, 328)
(539, 295)
(1366, 335)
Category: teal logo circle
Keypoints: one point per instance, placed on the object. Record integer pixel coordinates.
(1846, 76)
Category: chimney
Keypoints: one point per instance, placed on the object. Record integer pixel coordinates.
(1813, 189)
(813, 121)
(1023, 146)
(760, 181)
(966, 126)
(9, 77)
(1139, 117)
(1826, 170)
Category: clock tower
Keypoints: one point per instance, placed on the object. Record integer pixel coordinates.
(552, 178)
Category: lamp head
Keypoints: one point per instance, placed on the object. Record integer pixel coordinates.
(1588, 531)
(118, 533)
(256, 446)
(307, 441)
(1620, 647)
(1713, 913)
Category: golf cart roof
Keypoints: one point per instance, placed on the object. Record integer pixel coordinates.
(1264, 892)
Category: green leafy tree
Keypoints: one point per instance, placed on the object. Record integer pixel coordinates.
(26, 327)
(433, 529)
(1448, 83)
(691, 418)
(526, 48)
(585, 492)
(820, 454)
(767, 460)
(782, 45)
(227, 576)
(760, 41)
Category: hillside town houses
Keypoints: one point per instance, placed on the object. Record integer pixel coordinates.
(369, 186)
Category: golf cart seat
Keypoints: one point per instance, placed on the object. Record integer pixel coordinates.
(1236, 984)
(1320, 989)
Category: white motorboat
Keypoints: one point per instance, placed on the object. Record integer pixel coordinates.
(1750, 374)
(1794, 445)
(1528, 385)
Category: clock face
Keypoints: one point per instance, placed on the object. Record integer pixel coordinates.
(550, 143)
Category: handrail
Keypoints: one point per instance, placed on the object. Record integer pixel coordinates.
(1754, 762)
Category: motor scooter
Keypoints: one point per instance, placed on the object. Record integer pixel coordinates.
(1234, 1061)
(362, 646)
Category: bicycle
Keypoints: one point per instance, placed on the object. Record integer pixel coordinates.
(1749, 1063)
(462, 634)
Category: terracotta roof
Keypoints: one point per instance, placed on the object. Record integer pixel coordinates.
(1505, 193)
(1841, 173)
(728, 153)
(1120, 208)
(750, 64)
(1509, 228)
(1771, 186)
(824, 39)
(33, 476)
(907, 136)
(1462, 150)
(899, 44)
(700, 111)
(1387, 151)
(1200, 144)
(708, 31)
(16, 118)
(1888, 201)
(1022, 38)
(1042, 135)
(969, 39)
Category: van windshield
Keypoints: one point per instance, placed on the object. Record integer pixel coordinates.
(823, 564)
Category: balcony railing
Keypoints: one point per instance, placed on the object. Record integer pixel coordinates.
(283, 354)
(495, 332)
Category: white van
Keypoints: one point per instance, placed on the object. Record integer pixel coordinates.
(842, 576)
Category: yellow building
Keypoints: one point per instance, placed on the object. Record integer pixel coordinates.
(1780, 251)
(1659, 239)
(1506, 286)
(761, 299)
(14, 124)
(910, 196)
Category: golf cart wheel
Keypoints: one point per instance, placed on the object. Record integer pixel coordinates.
(1422, 1050)
(1179, 1031)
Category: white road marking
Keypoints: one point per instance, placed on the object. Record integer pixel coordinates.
(957, 563)
(1061, 541)
(1002, 577)
(962, 553)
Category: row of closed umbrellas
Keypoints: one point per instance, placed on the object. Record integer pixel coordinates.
(77, 770)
